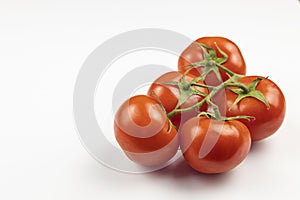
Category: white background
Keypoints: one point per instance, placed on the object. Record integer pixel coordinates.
(42, 47)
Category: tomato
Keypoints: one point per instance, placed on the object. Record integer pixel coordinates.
(169, 95)
(213, 146)
(194, 53)
(267, 121)
(143, 131)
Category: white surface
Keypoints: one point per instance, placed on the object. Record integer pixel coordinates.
(42, 47)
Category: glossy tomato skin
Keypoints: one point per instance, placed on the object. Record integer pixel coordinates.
(266, 122)
(194, 53)
(211, 146)
(142, 130)
(170, 94)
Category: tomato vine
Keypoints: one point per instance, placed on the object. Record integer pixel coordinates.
(212, 64)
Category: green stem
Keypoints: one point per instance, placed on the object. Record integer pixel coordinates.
(239, 85)
(199, 78)
(210, 62)
(187, 71)
(228, 71)
(202, 85)
(216, 109)
(206, 99)
(158, 100)
(239, 117)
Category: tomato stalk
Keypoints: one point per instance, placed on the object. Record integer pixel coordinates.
(207, 99)
(212, 64)
(242, 86)
(228, 71)
(202, 85)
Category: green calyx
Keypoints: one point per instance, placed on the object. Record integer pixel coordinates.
(210, 54)
(211, 62)
(250, 91)
(185, 90)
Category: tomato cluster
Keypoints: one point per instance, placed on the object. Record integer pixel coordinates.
(208, 108)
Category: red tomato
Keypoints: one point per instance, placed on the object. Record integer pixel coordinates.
(211, 146)
(169, 96)
(266, 121)
(143, 131)
(194, 53)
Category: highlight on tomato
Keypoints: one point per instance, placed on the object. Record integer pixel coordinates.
(144, 132)
(214, 146)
